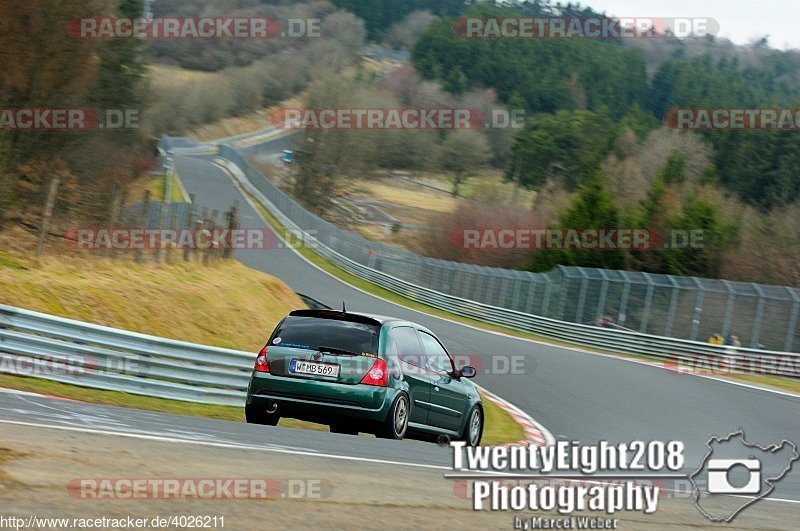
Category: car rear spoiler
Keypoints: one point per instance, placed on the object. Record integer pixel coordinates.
(336, 315)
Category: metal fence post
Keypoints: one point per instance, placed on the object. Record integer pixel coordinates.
(501, 300)
(189, 224)
(601, 301)
(162, 220)
(726, 323)
(437, 272)
(449, 282)
(698, 309)
(531, 292)
(113, 218)
(515, 293)
(759, 316)
(211, 252)
(173, 224)
(582, 296)
(491, 286)
(548, 290)
(648, 301)
(465, 289)
(562, 301)
(47, 215)
(622, 315)
(142, 221)
(673, 306)
(792, 320)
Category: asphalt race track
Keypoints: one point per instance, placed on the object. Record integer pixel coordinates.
(576, 395)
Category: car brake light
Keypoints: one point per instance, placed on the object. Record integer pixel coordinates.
(377, 375)
(261, 361)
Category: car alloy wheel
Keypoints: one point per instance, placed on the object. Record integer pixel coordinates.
(475, 427)
(400, 423)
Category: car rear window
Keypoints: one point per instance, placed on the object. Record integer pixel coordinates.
(315, 332)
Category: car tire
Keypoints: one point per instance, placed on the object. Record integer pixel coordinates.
(347, 429)
(254, 415)
(396, 423)
(473, 429)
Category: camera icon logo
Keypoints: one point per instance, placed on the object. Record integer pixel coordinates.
(726, 482)
(719, 476)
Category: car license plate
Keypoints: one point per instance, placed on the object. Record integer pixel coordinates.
(314, 369)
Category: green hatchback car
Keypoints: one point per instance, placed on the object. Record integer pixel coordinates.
(363, 373)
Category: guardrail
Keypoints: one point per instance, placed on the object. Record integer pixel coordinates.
(89, 355)
(691, 308)
(608, 339)
(243, 140)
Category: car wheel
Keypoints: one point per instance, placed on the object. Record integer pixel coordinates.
(396, 423)
(345, 428)
(254, 415)
(473, 431)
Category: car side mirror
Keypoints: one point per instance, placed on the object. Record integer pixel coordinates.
(468, 372)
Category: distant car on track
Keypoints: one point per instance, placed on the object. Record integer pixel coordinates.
(359, 372)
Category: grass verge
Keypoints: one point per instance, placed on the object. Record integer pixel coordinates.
(223, 304)
(156, 187)
(499, 426)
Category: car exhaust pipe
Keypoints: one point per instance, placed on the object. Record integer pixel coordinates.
(272, 408)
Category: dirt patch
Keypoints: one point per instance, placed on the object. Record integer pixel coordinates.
(6, 455)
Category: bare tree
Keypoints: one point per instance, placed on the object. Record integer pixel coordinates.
(629, 178)
(346, 29)
(324, 156)
(770, 248)
(461, 154)
(405, 33)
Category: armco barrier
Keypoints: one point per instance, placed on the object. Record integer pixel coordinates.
(188, 146)
(608, 339)
(90, 355)
(73, 352)
(692, 308)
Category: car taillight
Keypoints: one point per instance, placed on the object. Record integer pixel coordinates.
(377, 375)
(261, 361)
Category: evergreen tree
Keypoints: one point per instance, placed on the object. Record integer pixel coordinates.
(591, 208)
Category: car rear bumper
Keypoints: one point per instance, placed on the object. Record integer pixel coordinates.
(319, 401)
